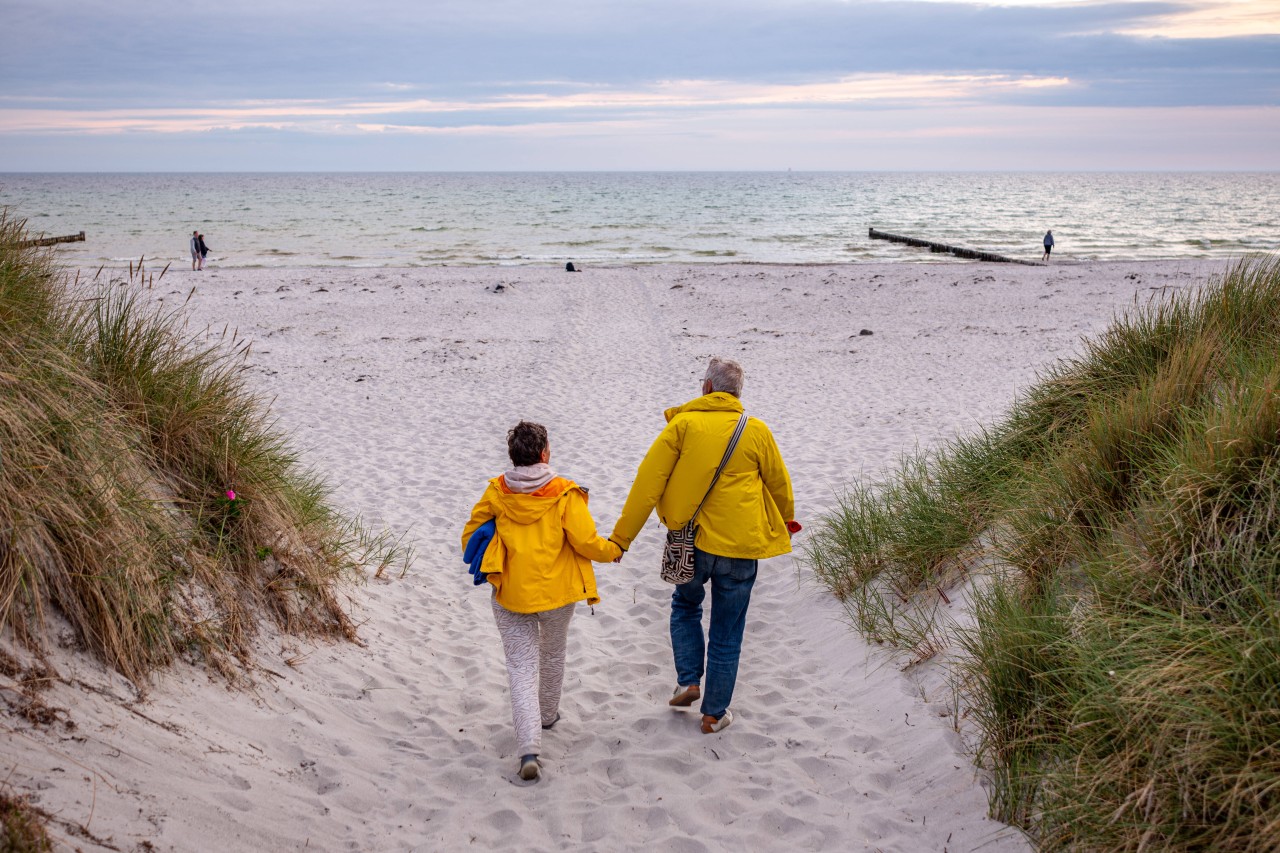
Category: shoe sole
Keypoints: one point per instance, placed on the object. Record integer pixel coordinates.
(685, 698)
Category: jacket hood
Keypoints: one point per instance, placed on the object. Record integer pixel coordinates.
(526, 509)
(716, 401)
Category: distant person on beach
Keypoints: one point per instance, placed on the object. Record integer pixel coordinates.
(197, 256)
(745, 517)
(204, 250)
(1048, 244)
(539, 564)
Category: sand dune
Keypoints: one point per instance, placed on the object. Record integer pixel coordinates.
(399, 385)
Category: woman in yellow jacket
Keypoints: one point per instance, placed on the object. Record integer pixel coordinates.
(539, 563)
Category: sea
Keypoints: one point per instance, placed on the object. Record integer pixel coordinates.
(610, 218)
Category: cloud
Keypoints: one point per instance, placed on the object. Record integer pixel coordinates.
(983, 137)
(329, 116)
(455, 69)
(1183, 19)
(132, 50)
(1224, 19)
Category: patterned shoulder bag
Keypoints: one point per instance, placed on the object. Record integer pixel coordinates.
(677, 554)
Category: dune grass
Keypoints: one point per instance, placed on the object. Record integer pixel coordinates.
(144, 491)
(1124, 662)
(22, 828)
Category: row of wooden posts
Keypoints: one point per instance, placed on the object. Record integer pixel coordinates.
(50, 241)
(958, 251)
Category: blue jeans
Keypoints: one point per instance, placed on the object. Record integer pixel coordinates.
(731, 581)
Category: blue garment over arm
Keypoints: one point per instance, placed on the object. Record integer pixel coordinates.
(473, 554)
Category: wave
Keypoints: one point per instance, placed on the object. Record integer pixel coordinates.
(785, 238)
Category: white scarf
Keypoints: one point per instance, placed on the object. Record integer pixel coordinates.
(526, 479)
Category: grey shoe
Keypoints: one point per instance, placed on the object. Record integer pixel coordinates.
(530, 769)
(552, 724)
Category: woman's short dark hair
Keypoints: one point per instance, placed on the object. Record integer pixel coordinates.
(525, 443)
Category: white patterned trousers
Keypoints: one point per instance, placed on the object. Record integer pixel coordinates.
(534, 644)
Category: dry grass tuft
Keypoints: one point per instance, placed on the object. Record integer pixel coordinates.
(143, 491)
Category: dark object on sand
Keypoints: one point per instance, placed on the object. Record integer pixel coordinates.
(866, 332)
(958, 251)
(49, 241)
(499, 287)
(569, 267)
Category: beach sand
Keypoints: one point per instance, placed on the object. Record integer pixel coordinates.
(399, 385)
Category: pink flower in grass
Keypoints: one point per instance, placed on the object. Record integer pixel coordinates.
(231, 495)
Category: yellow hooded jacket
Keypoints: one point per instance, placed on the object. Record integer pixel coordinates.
(541, 557)
(745, 515)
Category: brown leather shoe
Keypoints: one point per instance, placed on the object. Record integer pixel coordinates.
(711, 725)
(685, 696)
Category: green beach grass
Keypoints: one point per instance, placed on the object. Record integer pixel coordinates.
(145, 494)
(1123, 665)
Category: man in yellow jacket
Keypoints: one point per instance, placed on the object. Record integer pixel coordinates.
(747, 517)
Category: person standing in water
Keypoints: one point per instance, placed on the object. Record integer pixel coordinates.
(1048, 244)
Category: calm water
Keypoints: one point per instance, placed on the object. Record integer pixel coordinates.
(411, 219)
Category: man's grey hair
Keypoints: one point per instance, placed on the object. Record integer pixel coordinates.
(725, 375)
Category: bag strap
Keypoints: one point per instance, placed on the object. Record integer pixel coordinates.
(733, 443)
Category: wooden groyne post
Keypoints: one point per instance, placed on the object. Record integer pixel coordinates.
(958, 251)
(50, 241)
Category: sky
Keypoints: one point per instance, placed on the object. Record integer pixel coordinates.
(513, 85)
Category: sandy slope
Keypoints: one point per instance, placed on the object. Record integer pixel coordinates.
(399, 385)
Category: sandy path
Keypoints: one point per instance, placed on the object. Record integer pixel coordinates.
(399, 385)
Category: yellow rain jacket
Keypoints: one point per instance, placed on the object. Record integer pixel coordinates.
(541, 557)
(746, 514)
